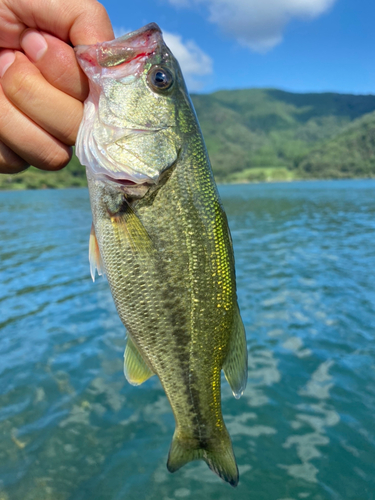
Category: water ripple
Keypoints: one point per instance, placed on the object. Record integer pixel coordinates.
(71, 428)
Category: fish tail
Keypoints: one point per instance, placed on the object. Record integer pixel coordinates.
(218, 455)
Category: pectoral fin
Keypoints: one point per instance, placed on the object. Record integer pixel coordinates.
(128, 226)
(135, 368)
(235, 365)
(95, 258)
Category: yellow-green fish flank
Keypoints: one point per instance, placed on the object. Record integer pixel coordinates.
(161, 235)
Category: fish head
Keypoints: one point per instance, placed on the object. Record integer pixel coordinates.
(136, 113)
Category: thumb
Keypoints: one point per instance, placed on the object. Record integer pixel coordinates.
(56, 61)
(81, 22)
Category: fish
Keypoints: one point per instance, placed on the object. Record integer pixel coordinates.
(161, 236)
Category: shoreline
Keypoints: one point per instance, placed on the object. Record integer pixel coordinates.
(235, 183)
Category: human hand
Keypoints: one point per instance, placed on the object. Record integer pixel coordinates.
(42, 87)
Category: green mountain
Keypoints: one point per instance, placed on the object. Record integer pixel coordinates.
(252, 133)
(265, 134)
(350, 153)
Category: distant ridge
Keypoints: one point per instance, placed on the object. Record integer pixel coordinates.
(266, 134)
(252, 134)
(351, 153)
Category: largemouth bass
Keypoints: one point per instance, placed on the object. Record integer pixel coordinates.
(161, 236)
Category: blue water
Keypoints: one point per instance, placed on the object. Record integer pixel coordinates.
(71, 428)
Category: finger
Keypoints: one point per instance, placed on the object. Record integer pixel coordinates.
(81, 22)
(54, 111)
(29, 141)
(10, 163)
(56, 61)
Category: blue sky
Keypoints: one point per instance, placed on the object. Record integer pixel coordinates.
(296, 45)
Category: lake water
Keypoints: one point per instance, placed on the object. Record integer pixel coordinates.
(71, 428)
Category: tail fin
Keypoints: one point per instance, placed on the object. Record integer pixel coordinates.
(218, 455)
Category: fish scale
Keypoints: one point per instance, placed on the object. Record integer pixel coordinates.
(165, 246)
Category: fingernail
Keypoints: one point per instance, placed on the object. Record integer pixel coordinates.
(34, 44)
(7, 58)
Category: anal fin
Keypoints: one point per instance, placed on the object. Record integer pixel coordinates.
(95, 258)
(235, 364)
(136, 370)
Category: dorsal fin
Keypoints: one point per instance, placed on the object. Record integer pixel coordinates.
(235, 364)
(136, 369)
(95, 258)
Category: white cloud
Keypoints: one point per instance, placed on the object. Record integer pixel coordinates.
(193, 61)
(258, 24)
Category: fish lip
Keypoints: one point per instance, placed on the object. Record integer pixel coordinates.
(136, 44)
(140, 130)
(122, 182)
(126, 186)
(141, 31)
(120, 178)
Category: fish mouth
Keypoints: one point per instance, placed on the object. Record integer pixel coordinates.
(132, 46)
(145, 30)
(122, 178)
(121, 182)
(132, 190)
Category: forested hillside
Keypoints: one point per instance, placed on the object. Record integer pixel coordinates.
(266, 134)
(350, 153)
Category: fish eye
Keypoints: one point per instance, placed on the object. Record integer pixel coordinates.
(160, 78)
